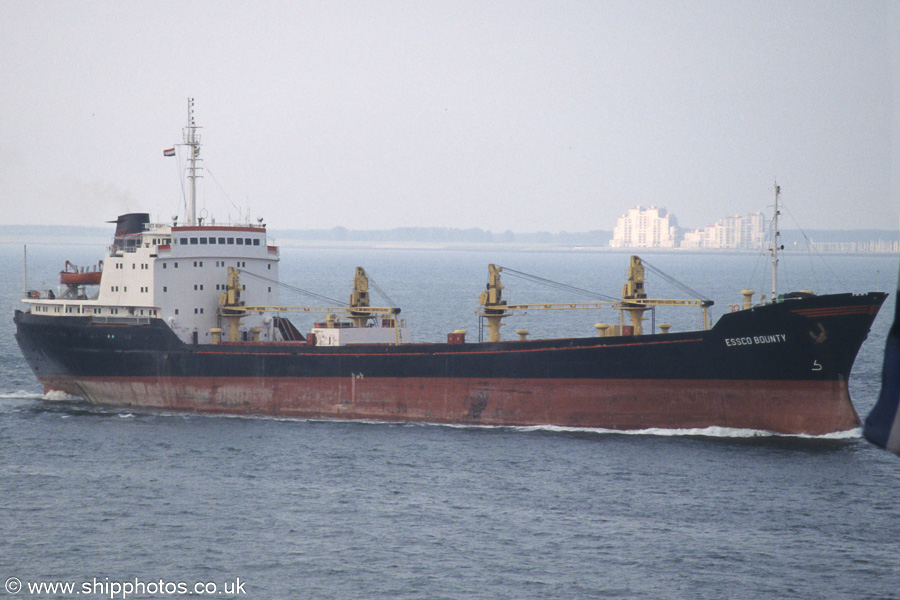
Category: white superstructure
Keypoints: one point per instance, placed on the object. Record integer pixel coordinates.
(176, 273)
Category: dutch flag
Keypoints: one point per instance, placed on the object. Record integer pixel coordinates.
(169, 152)
(882, 426)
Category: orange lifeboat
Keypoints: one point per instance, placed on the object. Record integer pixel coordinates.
(76, 276)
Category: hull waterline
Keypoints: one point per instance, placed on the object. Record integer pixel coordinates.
(811, 408)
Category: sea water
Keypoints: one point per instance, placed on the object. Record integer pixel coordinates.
(134, 504)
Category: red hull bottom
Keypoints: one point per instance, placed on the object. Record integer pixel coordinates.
(790, 407)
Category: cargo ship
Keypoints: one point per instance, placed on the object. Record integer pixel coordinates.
(186, 317)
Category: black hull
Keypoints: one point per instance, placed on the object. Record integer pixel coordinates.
(759, 360)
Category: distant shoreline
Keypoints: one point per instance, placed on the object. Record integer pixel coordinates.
(866, 242)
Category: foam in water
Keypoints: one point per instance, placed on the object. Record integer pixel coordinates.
(58, 396)
(21, 395)
(713, 431)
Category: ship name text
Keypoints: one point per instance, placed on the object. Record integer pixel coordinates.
(756, 339)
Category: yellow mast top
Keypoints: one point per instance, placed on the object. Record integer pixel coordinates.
(634, 286)
(359, 298)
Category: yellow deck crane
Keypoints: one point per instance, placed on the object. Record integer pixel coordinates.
(634, 302)
(232, 308)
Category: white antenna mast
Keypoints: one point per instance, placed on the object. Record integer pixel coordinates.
(775, 235)
(192, 141)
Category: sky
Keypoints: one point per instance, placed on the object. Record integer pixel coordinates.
(524, 116)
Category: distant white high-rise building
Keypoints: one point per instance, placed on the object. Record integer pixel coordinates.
(738, 231)
(753, 232)
(645, 228)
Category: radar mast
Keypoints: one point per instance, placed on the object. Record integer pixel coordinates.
(192, 141)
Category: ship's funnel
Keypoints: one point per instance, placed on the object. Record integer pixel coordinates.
(128, 229)
(131, 223)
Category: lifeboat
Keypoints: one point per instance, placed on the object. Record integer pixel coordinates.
(76, 276)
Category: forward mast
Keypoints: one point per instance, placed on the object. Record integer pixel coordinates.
(775, 247)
